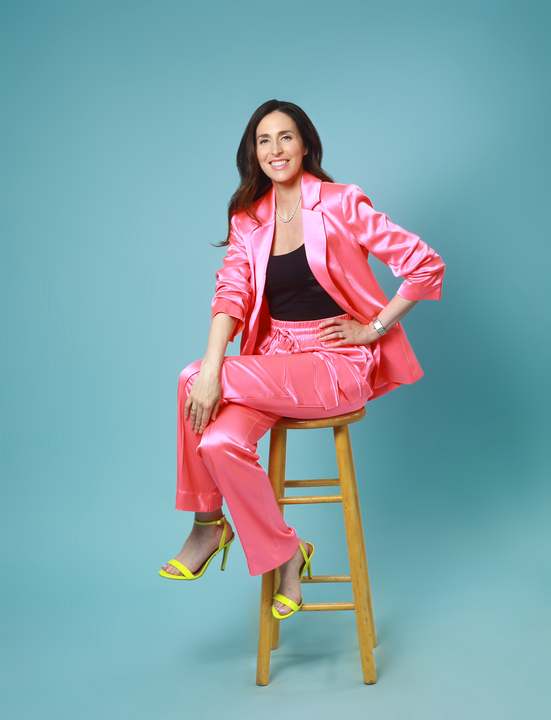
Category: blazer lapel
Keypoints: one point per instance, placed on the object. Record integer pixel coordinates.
(315, 238)
(262, 239)
(315, 242)
(261, 244)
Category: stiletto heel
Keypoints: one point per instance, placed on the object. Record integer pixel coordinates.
(226, 549)
(223, 545)
(306, 566)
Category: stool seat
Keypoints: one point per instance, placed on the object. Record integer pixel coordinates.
(268, 637)
(286, 423)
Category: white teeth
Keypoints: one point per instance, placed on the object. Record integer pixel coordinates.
(279, 162)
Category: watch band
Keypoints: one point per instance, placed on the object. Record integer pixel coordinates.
(378, 325)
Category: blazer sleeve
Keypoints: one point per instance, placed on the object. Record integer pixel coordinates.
(405, 253)
(233, 291)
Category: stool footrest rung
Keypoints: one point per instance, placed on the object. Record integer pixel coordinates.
(310, 499)
(327, 606)
(326, 579)
(323, 482)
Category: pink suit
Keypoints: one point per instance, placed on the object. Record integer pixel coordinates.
(283, 369)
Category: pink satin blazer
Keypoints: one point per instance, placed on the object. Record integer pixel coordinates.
(340, 230)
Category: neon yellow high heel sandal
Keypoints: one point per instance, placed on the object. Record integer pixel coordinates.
(307, 565)
(187, 574)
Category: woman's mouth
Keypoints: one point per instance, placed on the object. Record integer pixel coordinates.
(278, 164)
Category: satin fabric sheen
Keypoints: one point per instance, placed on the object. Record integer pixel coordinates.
(292, 375)
(283, 370)
(341, 229)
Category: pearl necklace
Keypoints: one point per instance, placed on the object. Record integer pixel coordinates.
(292, 214)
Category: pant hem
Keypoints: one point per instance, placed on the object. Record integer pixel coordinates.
(198, 502)
(273, 563)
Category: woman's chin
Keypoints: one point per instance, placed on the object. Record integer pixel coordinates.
(285, 177)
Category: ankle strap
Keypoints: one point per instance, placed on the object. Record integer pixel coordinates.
(212, 522)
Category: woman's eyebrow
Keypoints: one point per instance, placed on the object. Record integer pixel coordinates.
(281, 132)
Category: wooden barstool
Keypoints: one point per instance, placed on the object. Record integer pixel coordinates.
(268, 638)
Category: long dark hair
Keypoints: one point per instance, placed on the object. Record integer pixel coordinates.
(254, 182)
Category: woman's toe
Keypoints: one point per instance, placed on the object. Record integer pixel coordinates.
(281, 608)
(171, 569)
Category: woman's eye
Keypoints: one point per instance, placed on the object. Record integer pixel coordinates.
(286, 137)
(263, 141)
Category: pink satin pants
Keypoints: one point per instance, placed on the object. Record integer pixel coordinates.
(292, 375)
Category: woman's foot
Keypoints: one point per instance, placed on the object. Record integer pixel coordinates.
(289, 574)
(201, 543)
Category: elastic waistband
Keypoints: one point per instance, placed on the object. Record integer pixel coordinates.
(303, 326)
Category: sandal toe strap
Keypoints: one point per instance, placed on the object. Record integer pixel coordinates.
(286, 601)
(182, 568)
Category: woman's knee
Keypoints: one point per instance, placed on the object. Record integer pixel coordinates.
(215, 442)
(230, 434)
(187, 378)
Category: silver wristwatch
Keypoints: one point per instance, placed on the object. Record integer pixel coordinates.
(378, 325)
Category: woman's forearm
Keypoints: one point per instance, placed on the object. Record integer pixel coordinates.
(396, 309)
(221, 329)
(336, 332)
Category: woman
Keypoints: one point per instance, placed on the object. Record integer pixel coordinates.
(319, 339)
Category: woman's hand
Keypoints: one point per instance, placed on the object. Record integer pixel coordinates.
(205, 396)
(204, 400)
(336, 332)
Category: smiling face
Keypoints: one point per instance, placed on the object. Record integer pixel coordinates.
(279, 148)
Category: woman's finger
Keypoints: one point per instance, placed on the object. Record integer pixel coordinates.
(330, 332)
(337, 335)
(196, 414)
(198, 422)
(187, 407)
(203, 421)
(330, 322)
(214, 412)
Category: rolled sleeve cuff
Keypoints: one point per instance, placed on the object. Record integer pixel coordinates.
(417, 291)
(220, 305)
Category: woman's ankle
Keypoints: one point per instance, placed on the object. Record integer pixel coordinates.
(209, 516)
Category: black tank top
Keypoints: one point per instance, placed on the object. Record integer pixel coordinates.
(292, 291)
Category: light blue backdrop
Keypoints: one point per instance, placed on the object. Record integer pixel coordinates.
(119, 127)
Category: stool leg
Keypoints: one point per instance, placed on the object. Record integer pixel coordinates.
(276, 473)
(365, 569)
(275, 621)
(268, 634)
(265, 630)
(352, 524)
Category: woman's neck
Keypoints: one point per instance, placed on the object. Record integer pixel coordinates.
(286, 195)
